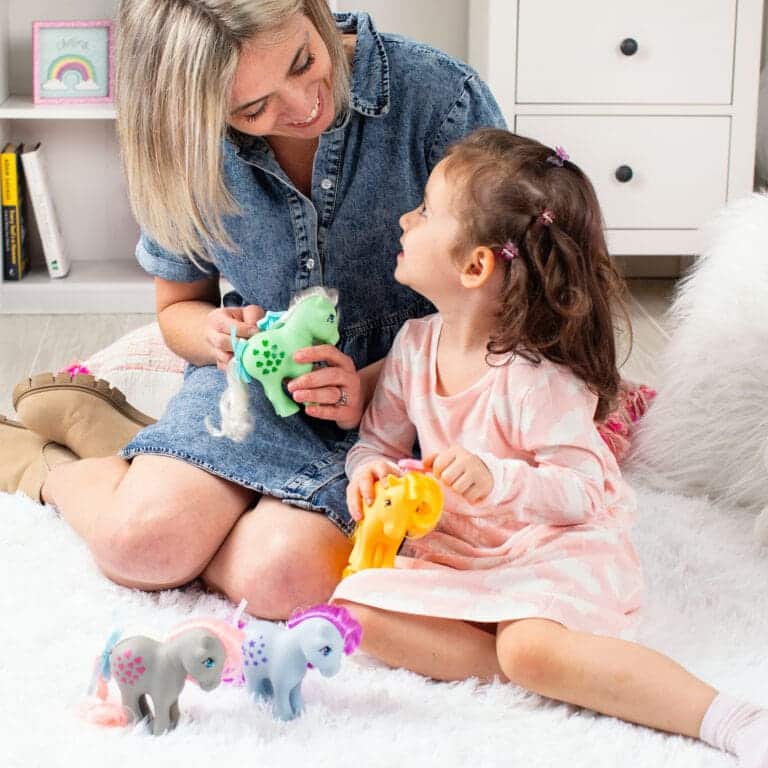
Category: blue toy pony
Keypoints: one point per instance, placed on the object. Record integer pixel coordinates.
(275, 658)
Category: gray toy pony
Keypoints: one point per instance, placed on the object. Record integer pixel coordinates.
(148, 670)
(275, 658)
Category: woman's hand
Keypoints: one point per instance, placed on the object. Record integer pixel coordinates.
(360, 488)
(334, 392)
(462, 472)
(219, 323)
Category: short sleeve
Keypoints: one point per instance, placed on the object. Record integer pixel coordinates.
(170, 266)
(474, 108)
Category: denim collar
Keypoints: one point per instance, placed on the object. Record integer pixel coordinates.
(370, 67)
(369, 88)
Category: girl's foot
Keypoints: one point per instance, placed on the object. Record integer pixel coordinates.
(81, 412)
(737, 727)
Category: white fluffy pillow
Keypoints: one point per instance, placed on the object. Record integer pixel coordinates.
(142, 367)
(707, 429)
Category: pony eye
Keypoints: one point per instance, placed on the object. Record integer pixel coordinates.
(209, 662)
(331, 318)
(325, 650)
(387, 502)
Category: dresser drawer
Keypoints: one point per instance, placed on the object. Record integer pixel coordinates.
(674, 169)
(674, 51)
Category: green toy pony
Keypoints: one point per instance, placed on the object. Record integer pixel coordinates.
(267, 357)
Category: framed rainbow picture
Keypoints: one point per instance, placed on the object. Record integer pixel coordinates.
(73, 62)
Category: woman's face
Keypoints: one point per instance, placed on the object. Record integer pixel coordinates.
(283, 84)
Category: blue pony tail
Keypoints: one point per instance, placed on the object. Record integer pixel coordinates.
(103, 668)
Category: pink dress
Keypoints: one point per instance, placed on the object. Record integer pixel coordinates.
(551, 540)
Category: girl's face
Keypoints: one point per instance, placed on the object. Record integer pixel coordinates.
(283, 84)
(430, 234)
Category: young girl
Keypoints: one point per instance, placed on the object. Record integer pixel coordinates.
(531, 575)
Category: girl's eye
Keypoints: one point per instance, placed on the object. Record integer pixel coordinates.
(422, 209)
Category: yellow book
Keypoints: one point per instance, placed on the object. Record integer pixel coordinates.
(12, 197)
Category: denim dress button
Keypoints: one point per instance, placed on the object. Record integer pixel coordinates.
(310, 263)
(326, 184)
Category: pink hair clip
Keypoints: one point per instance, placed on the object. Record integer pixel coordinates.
(509, 251)
(559, 157)
(546, 217)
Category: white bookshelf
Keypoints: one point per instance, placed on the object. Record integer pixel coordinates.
(82, 155)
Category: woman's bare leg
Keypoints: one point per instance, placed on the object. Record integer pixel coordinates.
(443, 649)
(611, 676)
(158, 522)
(279, 558)
(152, 523)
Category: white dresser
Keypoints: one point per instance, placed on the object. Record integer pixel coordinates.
(656, 100)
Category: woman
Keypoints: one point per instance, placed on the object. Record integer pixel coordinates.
(255, 152)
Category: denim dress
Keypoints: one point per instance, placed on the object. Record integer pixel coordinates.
(408, 102)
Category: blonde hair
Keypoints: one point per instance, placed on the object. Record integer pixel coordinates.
(176, 60)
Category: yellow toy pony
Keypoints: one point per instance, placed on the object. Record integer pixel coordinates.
(409, 505)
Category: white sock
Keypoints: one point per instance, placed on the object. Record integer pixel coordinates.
(737, 727)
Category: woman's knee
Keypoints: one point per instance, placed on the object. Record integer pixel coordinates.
(279, 558)
(143, 543)
(527, 651)
(159, 534)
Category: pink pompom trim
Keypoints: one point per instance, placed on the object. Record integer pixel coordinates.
(619, 425)
(74, 369)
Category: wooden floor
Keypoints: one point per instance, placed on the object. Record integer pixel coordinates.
(35, 343)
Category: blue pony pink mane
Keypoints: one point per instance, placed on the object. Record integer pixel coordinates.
(340, 617)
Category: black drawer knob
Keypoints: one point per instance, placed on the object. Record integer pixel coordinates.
(629, 46)
(624, 173)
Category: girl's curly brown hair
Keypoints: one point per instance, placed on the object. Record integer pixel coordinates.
(562, 292)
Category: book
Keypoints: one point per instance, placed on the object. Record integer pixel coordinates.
(12, 198)
(41, 200)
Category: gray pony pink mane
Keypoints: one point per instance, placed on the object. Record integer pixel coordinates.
(339, 616)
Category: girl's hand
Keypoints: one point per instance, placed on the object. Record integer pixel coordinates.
(360, 488)
(334, 392)
(219, 323)
(462, 472)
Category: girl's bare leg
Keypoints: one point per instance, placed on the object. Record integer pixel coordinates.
(604, 674)
(443, 649)
(279, 558)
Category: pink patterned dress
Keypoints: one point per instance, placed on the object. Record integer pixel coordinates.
(552, 538)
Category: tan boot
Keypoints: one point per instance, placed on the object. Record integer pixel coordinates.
(81, 412)
(26, 459)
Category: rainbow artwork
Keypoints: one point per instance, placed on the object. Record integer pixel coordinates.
(71, 72)
(73, 62)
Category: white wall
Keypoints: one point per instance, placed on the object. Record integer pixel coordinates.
(442, 23)
(3, 51)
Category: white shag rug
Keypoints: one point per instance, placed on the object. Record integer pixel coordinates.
(707, 607)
